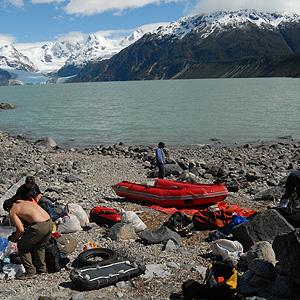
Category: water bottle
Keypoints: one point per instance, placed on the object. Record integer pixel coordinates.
(6, 261)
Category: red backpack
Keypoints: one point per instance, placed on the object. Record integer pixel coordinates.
(104, 216)
(208, 220)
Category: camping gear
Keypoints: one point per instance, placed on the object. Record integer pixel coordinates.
(55, 210)
(222, 279)
(90, 245)
(53, 257)
(228, 249)
(99, 256)
(162, 234)
(68, 224)
(245, 212)
(104, 216)
(79, 212)
(236, 219)
(220, 283)
(96, 277)
(66, 243)
(131, 218)
(208, 220)
(180, 223)
(172, 193)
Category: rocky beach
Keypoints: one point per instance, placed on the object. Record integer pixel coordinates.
(85, 177)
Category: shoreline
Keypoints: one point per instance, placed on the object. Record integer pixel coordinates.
(260, 171)
(214, 142)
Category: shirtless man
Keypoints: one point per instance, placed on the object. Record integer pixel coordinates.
(33, 237)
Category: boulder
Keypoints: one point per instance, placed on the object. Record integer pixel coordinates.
(72, 178)
(283, 287)
(262, 268)
(291, 214)
(7, 106)
(264, 226)
(121, 231)
(46, 142)
(173, 169)
(287, 250)
(272, 194)
(262, 250)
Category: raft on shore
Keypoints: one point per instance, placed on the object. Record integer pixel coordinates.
(171, 193)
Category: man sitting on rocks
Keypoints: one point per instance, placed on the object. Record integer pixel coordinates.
(34, 237)
(292, 185)
(28, 191)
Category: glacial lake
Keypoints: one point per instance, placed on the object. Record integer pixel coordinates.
(178, 112)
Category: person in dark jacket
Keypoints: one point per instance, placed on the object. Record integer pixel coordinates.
(292, 186)
(161, 159)
(28, 191)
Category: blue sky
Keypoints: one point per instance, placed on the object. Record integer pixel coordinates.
(24, 21)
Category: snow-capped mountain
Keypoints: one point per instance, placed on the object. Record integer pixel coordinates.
(11, 58)
(244, 43)
(209, 23)
(186, 48)
(97, 48)
(48, 58)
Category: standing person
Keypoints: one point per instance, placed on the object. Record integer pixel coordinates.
(29, 190)
(160, 160)
(33, 238)
(292, 185)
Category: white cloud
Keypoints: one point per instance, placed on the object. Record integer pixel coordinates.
(17, 3)
(6, 39)
(90, 7)
(208, 6)
(73, 37)
(121, 33)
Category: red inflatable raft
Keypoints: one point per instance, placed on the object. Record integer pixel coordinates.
(170, 193)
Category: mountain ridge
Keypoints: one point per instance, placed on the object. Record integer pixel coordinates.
(189, 47)
(186, 48)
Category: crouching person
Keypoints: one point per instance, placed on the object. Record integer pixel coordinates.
(32, 239)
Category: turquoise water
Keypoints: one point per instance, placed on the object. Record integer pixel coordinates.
(179, 112)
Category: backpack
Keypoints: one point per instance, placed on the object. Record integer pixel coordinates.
(104, 216)
(66, 243)
(222, 279)
(208, 220)
(55, 211)
(221, 282)
(180, 223)
(53, 258)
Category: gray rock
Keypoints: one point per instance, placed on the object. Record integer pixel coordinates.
(259, 282)
(170, 246)
(121, 231)
(46, 142)
(156, 270)
(264, 226)
(262, 269)
(173, 169)
(72, 178)
(78, 296)
(7, 106)
(262, 250)
(244, 283)
(272, 194)
(287, 251)
(283, 287)
(172, 265)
